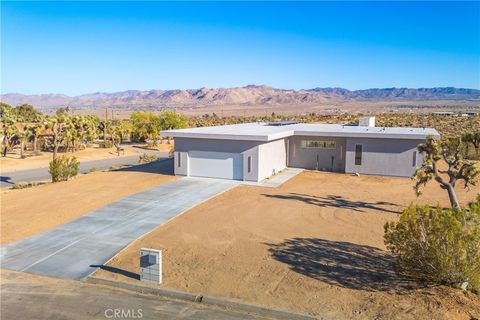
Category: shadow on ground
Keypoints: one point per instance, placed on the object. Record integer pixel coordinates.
(164, 166)
(122, 272)
(336, 202)
(343, 264)
(6, 179)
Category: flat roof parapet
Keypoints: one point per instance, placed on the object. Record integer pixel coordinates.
(264, 132)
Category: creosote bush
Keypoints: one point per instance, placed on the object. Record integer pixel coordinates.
(63, 168)
(106, 144)
(147, 158)
(438, 245)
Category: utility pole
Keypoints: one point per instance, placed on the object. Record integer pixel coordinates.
(105, 127)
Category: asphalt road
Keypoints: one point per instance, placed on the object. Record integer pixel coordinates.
(25, 296)
(8, 179)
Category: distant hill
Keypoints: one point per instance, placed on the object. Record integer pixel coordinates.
(248, 95)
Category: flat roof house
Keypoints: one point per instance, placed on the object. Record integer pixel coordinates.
(255, 151)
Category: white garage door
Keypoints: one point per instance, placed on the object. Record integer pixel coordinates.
(215, 165)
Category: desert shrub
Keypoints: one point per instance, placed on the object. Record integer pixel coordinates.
(106, 144)
(63, 168)
(438, 245)
(20, 185)
(146, 158)
(93, 169)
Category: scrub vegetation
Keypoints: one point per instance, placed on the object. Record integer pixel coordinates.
(28, 129)
(63, 168)
(305, 250)
(453, 152)
(438, 245)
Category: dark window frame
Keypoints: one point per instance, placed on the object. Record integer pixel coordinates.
(358, 154)
(318, 144)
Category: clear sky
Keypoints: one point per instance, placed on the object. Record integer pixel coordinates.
(84, 47)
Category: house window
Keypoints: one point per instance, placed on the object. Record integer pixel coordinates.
(323, 144)
(358, 154)
(414, 160)
(249, 164)
(179, 159)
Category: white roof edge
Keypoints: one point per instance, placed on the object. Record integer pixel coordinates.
(367, 135)
(176, 134)
(269, 136)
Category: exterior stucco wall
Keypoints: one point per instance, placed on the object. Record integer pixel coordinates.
(390, 157)
(247, 148)
(180, 163)
(393, 157)
(300, 157)
(273, 158)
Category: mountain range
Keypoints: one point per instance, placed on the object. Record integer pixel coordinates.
(248, 95)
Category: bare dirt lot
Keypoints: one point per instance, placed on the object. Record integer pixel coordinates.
(313, 245)
(29, 211)
(13, 162)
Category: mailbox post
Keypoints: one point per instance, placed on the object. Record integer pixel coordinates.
(151, 265)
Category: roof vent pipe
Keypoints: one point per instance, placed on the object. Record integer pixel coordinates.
(366, 122)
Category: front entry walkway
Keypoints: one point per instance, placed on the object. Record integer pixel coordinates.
(70, 250)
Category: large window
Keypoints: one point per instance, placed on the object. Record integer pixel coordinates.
(358, 154)
(318, 144)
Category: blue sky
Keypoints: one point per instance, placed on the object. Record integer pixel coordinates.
(82, 47)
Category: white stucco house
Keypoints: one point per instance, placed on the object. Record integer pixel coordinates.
(255, 151)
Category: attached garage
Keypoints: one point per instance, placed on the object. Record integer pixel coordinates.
(228, 159)
(221, 165)
(256, 151)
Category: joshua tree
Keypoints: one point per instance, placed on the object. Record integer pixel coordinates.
(24, 135)
(474, 139)
(58, 126)
(458, 169)
(9, 129)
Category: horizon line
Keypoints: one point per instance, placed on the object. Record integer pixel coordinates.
(238, 87)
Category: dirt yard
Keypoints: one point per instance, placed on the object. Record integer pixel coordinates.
(29, 211)
(13, 162)
(313, 245)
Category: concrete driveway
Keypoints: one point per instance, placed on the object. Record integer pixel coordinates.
(75, 249)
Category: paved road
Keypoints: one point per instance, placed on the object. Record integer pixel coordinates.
(7, 179)
(25, 296)
(75, 249)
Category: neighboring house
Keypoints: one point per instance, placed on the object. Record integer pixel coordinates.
(255, 151)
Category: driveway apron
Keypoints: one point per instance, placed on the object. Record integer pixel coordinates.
(70, 250)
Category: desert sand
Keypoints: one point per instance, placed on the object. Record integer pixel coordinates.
(29, 211)
(313, 245)
(13, 162)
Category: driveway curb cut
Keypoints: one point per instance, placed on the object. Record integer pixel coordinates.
(190, 297)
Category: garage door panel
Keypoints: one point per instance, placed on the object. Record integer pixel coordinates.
(215, 165)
